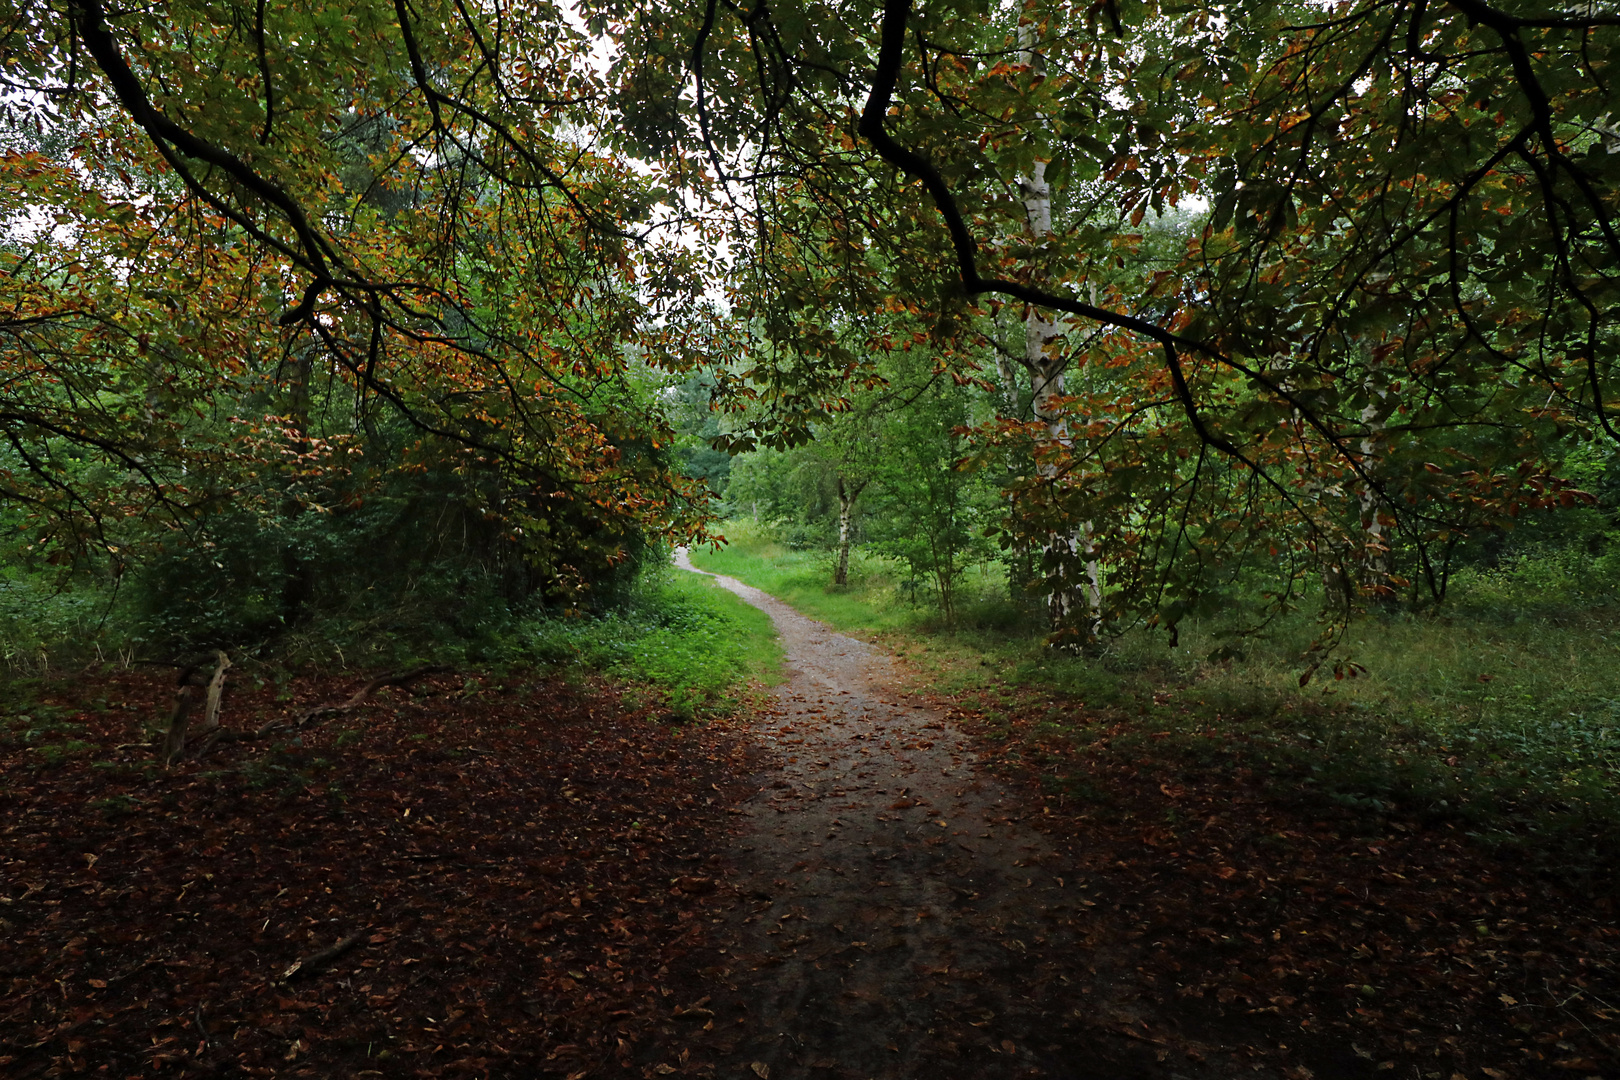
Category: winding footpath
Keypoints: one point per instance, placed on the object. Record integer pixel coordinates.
(898, 917)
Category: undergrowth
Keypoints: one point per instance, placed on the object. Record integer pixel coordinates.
(1500, 714)
(44, 621)
(694, 644)
(692, 648)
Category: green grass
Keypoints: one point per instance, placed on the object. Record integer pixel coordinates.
(1502, 713)
(685, 639)
(684, 643)
(877, 599)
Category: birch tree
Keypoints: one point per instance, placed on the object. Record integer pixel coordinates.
(1045, 362)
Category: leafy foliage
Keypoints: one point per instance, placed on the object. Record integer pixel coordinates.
(266, 268)
(1364, 347)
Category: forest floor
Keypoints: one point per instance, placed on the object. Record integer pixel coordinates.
(477, 877)
(529, 877)
(914, 901)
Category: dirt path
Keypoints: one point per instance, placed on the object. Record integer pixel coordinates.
(899, 918)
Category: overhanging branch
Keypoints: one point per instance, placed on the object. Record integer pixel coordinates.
(891, 58)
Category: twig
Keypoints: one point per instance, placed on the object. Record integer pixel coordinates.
(315, 961)
(136, 970)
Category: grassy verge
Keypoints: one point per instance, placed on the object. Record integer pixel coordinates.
(689, 646)
(695, 645)
(877, 599)
(1501, 715)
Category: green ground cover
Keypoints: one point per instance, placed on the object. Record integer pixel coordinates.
(1501, 713)
(878, 598)
(682, 637)
(678, 639)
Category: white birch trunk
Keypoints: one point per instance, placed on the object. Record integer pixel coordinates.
(1045, 364)
(1375, 565)
(847, 494)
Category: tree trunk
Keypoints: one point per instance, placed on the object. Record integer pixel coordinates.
(1046, 384)
(216, 691)
(174, 739)
(1351, 571)
(1375, 562)
(1045, 363)
(847, 494)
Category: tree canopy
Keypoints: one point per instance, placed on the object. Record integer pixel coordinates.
(1387, 299)
(1327, 280)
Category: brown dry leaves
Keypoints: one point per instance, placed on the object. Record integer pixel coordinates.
(524, 864)
(1263, 916)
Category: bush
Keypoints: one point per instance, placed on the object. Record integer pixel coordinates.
(45, 621)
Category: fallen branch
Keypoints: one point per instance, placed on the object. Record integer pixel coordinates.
(219, 735)
(398, 678)
(174, 739)
(312, 963)
(216, 688)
